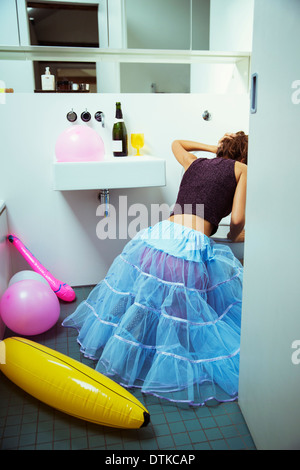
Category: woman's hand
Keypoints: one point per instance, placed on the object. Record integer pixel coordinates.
(240, 238)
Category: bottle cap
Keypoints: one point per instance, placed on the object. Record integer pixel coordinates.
(47, 71)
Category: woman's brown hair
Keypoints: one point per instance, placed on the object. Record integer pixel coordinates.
(234, 147)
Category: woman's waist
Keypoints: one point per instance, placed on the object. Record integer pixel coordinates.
(177, 239)
(194, 222)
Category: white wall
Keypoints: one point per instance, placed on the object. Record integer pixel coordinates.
(231, 23)
(220, 78)
(17, 74)
(60, 227)
(9, 35)
(230, 29)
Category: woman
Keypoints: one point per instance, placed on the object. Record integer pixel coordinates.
(232, 147)
(166, 318)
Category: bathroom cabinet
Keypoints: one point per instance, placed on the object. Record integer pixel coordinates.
(112, 172)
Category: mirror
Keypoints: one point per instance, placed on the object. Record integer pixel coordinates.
(154, 78)
(167, 24)
(60, 24)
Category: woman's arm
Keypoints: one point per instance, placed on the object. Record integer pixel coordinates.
(182, 148)
(237, 222)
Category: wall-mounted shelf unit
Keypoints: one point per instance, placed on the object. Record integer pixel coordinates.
(130, 57)
(112, 172)
(93, 54)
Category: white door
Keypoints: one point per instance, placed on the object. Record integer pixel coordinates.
(269, 394)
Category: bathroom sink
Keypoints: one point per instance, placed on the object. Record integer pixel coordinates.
(112, 172)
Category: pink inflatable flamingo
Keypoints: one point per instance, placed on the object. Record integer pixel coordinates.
(62, 290)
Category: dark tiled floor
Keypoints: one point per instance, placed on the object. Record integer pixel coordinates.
(26, 423)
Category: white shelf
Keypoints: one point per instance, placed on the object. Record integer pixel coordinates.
(112, 172)
(88, 54)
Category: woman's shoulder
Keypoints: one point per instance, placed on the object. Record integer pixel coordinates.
(240, 169)
(194, 163)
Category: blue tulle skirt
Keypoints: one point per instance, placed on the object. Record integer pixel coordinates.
(167, 317)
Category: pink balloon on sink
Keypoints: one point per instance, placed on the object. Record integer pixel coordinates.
(79, 144)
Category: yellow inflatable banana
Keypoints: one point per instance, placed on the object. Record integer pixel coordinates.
(69, 385)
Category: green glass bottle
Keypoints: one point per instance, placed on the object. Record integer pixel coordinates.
(119, 134)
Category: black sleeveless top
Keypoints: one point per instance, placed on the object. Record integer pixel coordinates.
(209, 182)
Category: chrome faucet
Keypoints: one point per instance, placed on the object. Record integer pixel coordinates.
(99, 116)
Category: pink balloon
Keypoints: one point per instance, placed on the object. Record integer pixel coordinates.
(29, 307)
(79, 144)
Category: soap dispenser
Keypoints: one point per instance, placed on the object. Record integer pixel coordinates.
(48, 80)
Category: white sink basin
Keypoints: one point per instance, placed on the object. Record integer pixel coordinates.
(112, 172)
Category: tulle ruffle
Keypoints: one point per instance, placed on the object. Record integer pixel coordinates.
(166, 318)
